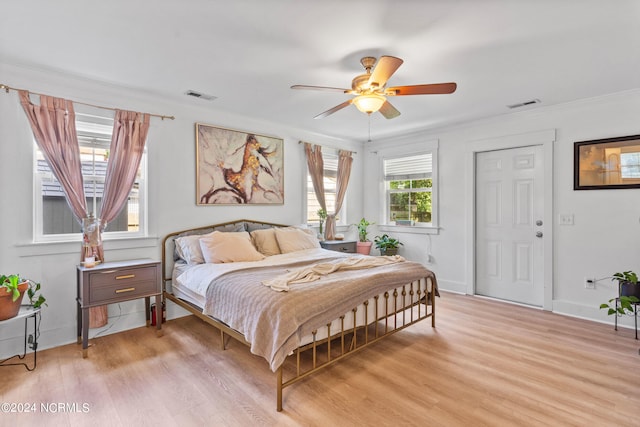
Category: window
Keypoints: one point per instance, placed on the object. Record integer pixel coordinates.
(409, 190)
(54, 220)
(330, 161)
(630, 165)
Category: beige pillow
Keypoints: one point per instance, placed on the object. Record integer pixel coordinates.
(265, 241)
(220, 247)
(188, 248)
(292, 239)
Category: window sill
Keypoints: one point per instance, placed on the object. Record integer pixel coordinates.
(54, 248)
(408, 229)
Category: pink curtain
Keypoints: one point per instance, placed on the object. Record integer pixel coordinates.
(342, 181)
(54, 127)
(316, 170)
(130, 131)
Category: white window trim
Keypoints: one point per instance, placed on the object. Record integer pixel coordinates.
(433, 228)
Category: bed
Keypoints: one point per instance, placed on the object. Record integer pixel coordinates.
(300, 307)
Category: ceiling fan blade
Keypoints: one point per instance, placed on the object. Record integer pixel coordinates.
(386, 66)
(431, 89)
(334, 109)
(321, 88)
(389, 111)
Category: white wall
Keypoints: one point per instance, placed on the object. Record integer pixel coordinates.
(605, 237)
(171, 200)
(602, 241)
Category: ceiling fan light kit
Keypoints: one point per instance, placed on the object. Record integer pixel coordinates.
(371, 91)
(369, 103)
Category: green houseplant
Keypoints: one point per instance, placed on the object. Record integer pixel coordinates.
(628, 294)
(387, 245)
(12, 290)
(363, 245)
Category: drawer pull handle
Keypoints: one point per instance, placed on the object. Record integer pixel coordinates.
(120, 291)
(127, 276)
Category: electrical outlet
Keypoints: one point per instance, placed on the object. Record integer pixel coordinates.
(589, 283)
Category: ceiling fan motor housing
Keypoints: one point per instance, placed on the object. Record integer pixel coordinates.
(360, 83)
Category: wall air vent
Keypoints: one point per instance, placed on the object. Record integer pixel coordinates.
(524, 104)
(200, 95)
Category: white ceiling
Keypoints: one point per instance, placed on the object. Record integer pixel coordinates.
(249, 52)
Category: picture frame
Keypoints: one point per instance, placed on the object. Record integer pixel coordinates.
(235, 167)
(610, 163)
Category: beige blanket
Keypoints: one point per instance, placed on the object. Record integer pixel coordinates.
(315, 272)
(274, 323)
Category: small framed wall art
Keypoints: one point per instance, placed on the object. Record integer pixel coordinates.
(610, 163)
(235, 167)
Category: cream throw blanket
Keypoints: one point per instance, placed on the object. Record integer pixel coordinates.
(315, 272)
(274, 323)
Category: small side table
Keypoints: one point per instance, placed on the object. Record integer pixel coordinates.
(26, 312)
(635, 315)
(114, 282)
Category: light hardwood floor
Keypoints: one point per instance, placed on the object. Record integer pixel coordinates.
(486, 363)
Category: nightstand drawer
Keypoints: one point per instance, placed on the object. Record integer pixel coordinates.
(348, 246)
(120, 291)
(122, 276)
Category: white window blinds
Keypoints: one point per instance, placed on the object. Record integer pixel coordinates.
(410, 167)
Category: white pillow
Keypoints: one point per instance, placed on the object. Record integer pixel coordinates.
(292, 239)
(265, 241)
(188, 248)
(220, 247)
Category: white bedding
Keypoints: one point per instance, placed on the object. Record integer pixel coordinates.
(191, 283)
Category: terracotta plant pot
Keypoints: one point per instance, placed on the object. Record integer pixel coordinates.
(364, 248)
(8, 307)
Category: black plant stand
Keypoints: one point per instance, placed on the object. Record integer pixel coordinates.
(635, 315)
(26, 312)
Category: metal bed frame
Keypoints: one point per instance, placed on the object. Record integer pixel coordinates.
(410, 303)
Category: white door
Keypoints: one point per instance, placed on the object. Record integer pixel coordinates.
(509, 226)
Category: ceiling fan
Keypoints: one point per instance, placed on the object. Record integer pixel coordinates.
(371, 92)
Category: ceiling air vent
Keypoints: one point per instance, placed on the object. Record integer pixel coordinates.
(524, 104)
(200, 95)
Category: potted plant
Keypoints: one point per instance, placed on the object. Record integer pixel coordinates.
(12, 290)
(387, 245)
(363, 245)
(628, 294)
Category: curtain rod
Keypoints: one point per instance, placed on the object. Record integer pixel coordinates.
(8, 88)
(327, 146)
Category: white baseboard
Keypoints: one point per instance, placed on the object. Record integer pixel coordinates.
(457, 287)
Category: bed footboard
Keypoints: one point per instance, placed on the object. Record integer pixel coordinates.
(383, 315)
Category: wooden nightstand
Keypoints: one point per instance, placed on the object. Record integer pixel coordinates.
(114, 282)
(347, 246)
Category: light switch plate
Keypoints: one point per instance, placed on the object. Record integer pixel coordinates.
(566, 219)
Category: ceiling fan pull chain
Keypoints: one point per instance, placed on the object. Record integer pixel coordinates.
(369, 127)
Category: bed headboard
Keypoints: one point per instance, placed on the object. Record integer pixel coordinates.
(168, 243)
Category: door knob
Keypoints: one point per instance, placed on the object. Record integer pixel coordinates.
(539, 234)
(538, 223)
